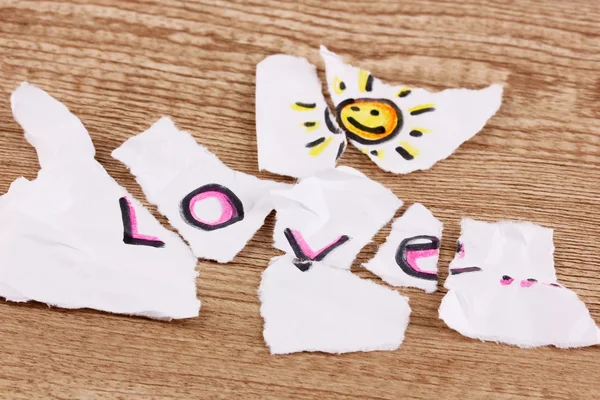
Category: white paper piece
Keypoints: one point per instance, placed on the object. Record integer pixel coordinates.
(216, 209)
(327, 309)
(296, 133)
(410, 254)
(502, 287)
(402, 129)
(338, 207)
(74, 238)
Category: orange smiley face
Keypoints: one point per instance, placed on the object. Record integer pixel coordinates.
(369, 121)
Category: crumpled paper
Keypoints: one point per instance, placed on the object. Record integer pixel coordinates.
(502, 287)
(74, 238)
(410, 253)
(296, 133)
(335, 205)
(217, 210)
(405, 129)
(328, 309)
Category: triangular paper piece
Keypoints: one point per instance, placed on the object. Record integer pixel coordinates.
(410, 254)
(333, 204)
(502, 287)
(405, 129)
(216, 209)
(329, 310)
(296, 133)
(74, 238)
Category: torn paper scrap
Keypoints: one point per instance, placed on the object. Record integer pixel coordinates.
(410, 254)
(88, 243)
(327, 309)
(338, 207)
(217, 210)
(405, 129)
(296, 133)
(502, 287)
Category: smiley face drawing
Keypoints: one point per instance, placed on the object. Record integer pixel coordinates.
(369, 121)
(400, 129)
(404, 129)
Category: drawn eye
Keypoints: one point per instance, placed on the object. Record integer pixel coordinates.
(528, 282)
(212, 207)
(506, 280)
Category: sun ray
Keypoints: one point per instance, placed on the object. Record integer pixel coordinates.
(318, 146)
(329, 123)
(365, 81)
(299, 106)
(378, 153)
(403, 92)
(315, 142)
(311, 125)
(338, 85)
(418, 132)
(407, 150)
(421, 109)
(340, 150)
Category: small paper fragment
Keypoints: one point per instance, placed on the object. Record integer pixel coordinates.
(405, 129)
(89, 243)
(502, 287)
(329, 310)
(217, 210)
(336, 205)
(296, 133)
(410, 253)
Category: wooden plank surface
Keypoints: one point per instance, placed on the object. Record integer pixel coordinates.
(120, 65)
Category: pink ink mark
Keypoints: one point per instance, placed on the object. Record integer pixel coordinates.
(461, 250)
(227, 207)
(413, 255)
(134, 226)
(307, 250)
(131, 234)
(232, 209)
(506, 280)
(528, 282)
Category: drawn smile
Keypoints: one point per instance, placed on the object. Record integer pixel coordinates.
(377, 130)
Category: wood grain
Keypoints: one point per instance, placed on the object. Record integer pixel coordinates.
(120, 65)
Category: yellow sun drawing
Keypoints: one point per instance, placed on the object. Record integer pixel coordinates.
(371, 121)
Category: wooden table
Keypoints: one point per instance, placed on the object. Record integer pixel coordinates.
(120, 65)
